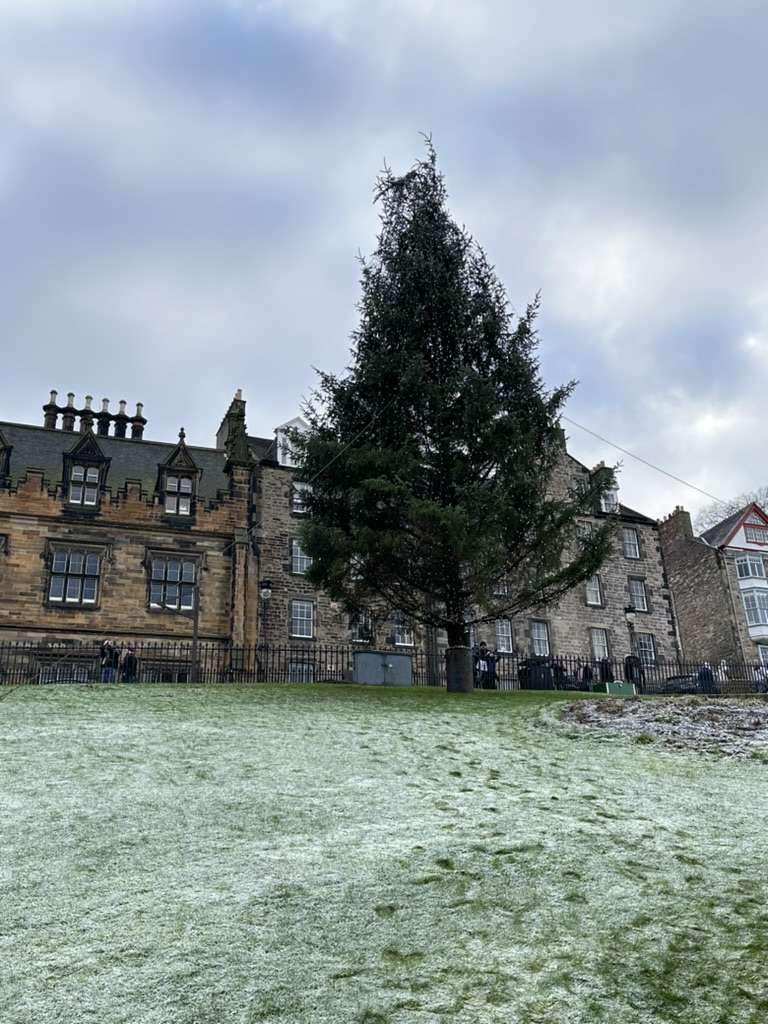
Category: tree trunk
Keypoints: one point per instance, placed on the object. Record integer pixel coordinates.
(458, 661)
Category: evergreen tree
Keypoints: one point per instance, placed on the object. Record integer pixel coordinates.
(431, 460)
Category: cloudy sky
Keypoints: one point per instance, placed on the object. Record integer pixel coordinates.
(184, 186)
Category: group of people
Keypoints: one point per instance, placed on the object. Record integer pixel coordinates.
(118, 663)
(484, 662)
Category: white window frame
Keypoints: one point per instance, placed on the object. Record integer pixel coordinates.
(83, 485)
(756, 534)
(756, 607)
(504, 640)
(302, 619)
(540, 645)
(750, 567)
(762, 654)
(594, 591)
(609, 501)
(178, 494)
(631, 549)
(402, 630)
(75, 577)
(298, 502)
(645, 646)
(599, 649)
(362, 620)
(300, 561)
(643, 593)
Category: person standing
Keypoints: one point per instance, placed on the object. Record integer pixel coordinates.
(129, 666)
(110, 659)
(481, 667)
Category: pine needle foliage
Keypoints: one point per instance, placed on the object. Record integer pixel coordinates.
(431, 460)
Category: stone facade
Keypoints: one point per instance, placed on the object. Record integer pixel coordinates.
(125, 530)
(708, 589)
(240, 529)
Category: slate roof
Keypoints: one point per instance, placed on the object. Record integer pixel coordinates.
(718, 535)
(41, 448)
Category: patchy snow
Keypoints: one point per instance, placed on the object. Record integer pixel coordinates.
(334, 855)
(730, 725)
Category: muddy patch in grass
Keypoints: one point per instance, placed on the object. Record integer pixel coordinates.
(738, 727)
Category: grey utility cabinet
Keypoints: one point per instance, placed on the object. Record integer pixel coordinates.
(382, 668)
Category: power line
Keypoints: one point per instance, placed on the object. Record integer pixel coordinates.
(355, 438)
(645, 462)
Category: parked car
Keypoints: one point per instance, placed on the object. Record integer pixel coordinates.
(680, 685)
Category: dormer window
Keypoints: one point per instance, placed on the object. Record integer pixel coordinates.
(178, 495)
(83, 485)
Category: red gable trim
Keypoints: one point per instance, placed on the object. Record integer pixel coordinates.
(748, 511)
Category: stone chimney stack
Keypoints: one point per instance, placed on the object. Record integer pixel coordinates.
(103, 419)
(236, 409)
(51, 411)
(120, 419)
(676, 527)
(86, 415)
(138, 423)
(69, 413)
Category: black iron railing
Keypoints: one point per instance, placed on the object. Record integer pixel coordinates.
(24, 663)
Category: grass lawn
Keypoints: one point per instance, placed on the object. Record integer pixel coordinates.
(198, 855)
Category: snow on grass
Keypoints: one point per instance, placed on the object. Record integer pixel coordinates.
(333, 854)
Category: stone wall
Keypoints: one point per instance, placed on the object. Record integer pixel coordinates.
(126, 527)
(703, 605)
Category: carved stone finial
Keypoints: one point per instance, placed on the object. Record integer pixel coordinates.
(182, 434)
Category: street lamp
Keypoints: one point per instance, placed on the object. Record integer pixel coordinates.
(265, 590)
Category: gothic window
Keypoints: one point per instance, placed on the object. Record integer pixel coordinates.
(74, 577)
(85, 470)
(173, 582)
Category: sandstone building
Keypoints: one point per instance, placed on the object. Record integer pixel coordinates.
(719, 585)
(106, 533)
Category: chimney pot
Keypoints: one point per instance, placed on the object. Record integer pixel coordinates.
(105, 405)
(88, 400)
(139, 408)
(51, 411)
(239, 394)
(54, 396)
(122, 404)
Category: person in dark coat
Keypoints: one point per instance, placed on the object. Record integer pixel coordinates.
(606, 670)
(706, 678)
(634, 672)
(481, 666)
(110, 660)
(129, 667)
(493, 659)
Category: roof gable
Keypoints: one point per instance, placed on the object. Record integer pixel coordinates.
(180, 457)
(87, 447)
(721, 535)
